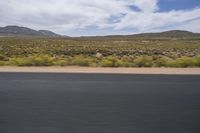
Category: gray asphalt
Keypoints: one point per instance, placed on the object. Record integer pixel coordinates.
(99, 103)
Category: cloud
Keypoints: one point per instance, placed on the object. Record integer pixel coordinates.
(146, 5)
(143, 21)
(63, 13)
(64, 16)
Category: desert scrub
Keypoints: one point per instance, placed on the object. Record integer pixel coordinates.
(161, 61)
(2, 63)
(143, 61)
(83, 61)
(181, 62)
(197, 61)
(100, 52)
(61, 62)
(185, 62)
(24, 47)
(36, 60)
(110, 61)
(3, 58)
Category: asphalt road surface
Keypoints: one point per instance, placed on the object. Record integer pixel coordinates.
(99, 103)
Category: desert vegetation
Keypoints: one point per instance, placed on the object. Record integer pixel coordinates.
(100, 52)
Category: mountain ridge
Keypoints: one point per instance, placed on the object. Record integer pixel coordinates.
(13, 30)
(17, 31)
(170, 34)
(164, 34)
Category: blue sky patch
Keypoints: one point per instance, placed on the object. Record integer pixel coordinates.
(168, 5)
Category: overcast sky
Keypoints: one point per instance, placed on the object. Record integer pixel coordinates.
(102, 17)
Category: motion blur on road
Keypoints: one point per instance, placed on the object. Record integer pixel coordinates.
(98, 103)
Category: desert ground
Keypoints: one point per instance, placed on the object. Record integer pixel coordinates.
(76, 69)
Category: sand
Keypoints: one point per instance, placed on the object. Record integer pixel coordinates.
(167, 71)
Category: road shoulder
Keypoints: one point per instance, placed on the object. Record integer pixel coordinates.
(166, 71)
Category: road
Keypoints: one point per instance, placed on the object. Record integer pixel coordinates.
(99, 103)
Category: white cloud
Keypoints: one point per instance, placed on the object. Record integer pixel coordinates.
(146, 5)
(147, 21)
(63, 16)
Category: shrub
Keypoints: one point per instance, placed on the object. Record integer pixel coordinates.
(3, 58)
(171, 63)
(143, 61)
(109, 62)
(16, 61)
(197, 61)
(185, 62)
(163, 61)
(61, 62)
(181, 62)
(82, 61)
(124, 63)
(2, 63)
(38, 60)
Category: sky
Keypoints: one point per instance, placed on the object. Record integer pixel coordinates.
(102, 17)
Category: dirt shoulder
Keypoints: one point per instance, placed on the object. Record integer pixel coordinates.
(167, 71)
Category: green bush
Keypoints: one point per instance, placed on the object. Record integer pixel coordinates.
(124, 63)
(109, 62)
(185, 62)
(82, 61)
(3, 58)
(160, 61)
(181, 62)
(171, 63)
(197, 61)
(143, 61)
(2, 63)
(61, 62)
(38, 60)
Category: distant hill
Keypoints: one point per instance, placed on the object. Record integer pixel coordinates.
(48, 33)
(169, 34)
(17, 31)
(24, 31)
(179, 34)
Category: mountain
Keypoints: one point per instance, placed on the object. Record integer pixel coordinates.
(17, 31)
(49, 33)
(24, 31)
(179, 34)
(169, 34)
